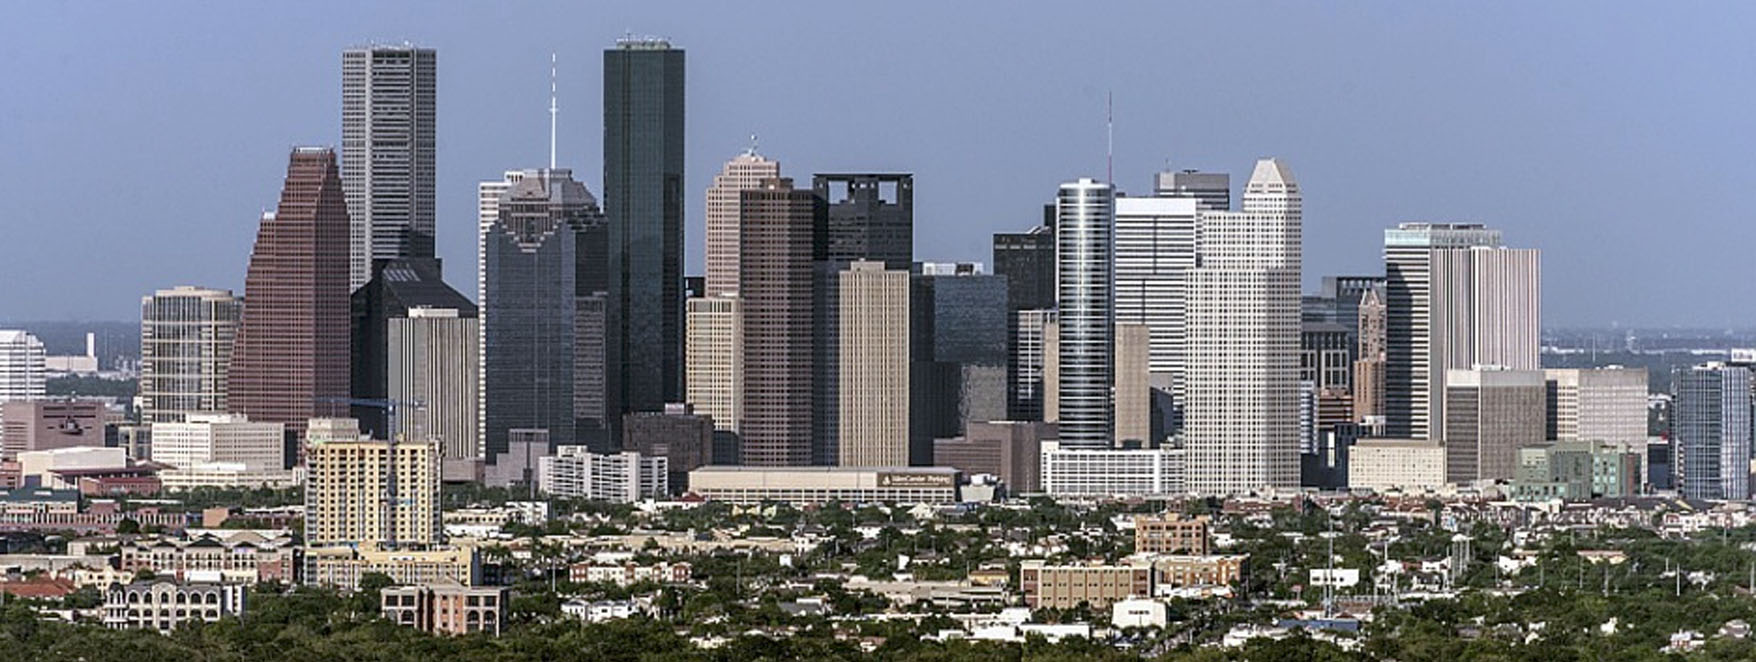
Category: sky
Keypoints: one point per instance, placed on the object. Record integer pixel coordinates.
(140, 142)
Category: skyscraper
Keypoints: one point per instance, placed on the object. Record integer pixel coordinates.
(959, 349)
(1710, 424)
(434, 360)
(1155, 249)
(1454, 298)
(22, 374)
(780, 245)
(544, 355)
(186, 336)
(1027, 261)
(1085, 255)
(643, 204)
(291, 351)
(873, 367)
(744, 171)
(1030, 355)
(1490, 413)
(387, 148)
(1243, 391)
(1133, 393)
(1212, 191)
(400, 286)
(1369, 367)
(869, 217)
(1599, 405)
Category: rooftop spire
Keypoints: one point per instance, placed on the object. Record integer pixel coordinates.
(553, 109)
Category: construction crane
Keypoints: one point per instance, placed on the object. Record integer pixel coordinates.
(391, 500)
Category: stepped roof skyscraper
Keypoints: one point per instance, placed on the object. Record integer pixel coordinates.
(1243, 371)
(291, 352)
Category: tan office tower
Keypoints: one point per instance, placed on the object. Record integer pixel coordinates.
(434, 361)
(186, 336)
(1490, 413)
(291, 355)
(1369, 367)
(348, 489)
(779, 245)
(1604, 405)
(873, 366)
(715, 382)
(1133, 388)
(1243, 374)
(744, 172)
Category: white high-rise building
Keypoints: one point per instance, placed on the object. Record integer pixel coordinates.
(185, 351)
(1454, 298)
(387, 150)
(1155, 249)
(744, 172)
(1242, 417)
(1085, 267)
(22, 372)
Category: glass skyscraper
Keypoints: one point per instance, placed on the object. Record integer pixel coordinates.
(643, 204)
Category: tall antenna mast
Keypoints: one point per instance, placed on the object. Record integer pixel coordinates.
(1110, 137)
(553, 109)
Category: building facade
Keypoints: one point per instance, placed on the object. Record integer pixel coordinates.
(818, 485)
(780, 245)
(1079, 472)
(434, 360)
(445, 608)
(165, 605)
(208, 439)
(36, 425)
(1155, 250)
(1490, 413)
(1085, 245)
(1603, 404)
(544, 297)
(872, 367)
(744, 171)
(1455, 298)
(291, 355)
(387, 154)
(1710, 426)
(1243, 391)
(643, 203)
(1396, 464)
(371, 492)
(186, 336)
(575, 472)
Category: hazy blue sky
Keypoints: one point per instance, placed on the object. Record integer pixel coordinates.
(140, 141)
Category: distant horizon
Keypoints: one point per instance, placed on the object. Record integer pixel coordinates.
(1517, 116)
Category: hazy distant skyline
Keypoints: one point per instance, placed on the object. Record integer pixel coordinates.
(142, 142)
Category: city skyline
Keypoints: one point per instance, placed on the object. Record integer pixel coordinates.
(1350, 140)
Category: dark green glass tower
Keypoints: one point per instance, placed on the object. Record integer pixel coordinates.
(643, 204)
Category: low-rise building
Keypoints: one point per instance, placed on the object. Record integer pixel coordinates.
(241, 558)
(341, 567)
(1137, 613)
(1114, 472)
(445, 608)
(1097, 585)
(577, 473)
(1176, 571)
(1396, 464)
(164, 605)
(816, 485)
(599, 611)
(629, 573)
(1172, 534)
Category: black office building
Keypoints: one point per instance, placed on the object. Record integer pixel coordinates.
(397, 285)
(869, 217)
(643, 205)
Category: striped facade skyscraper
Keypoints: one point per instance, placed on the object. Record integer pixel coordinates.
(387, 149)
(1455, 298)
(1085, 267)
(186, 336)
(1242, 417)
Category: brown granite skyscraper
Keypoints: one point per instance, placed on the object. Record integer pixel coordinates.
(291, 351)
(780, 240)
